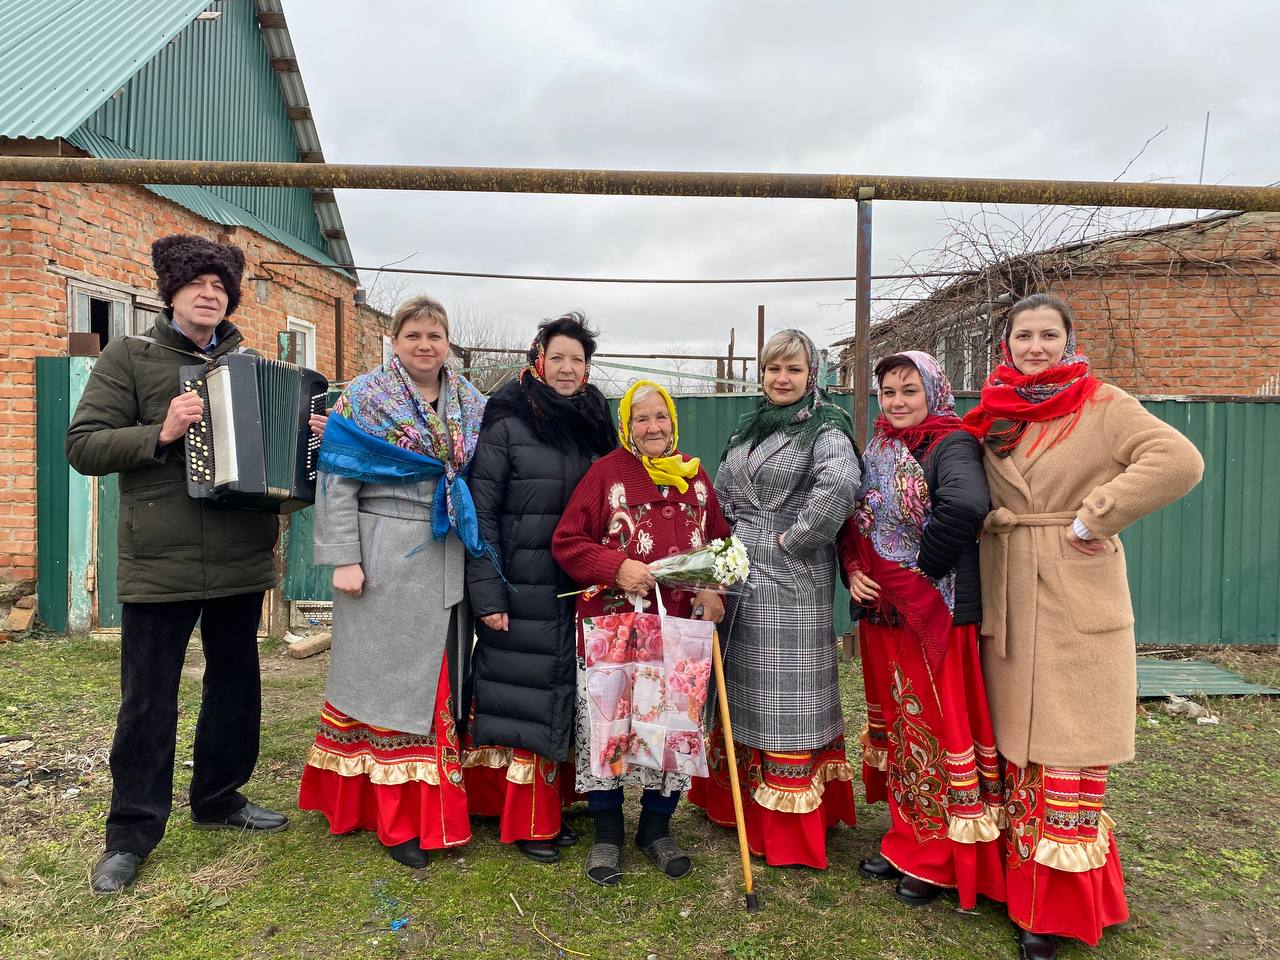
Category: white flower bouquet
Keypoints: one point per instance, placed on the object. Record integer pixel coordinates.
(718, 566)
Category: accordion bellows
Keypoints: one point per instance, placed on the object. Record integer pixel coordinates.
(254, 448)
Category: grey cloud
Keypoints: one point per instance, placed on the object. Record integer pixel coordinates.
(985, 89)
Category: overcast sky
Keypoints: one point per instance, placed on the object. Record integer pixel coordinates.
(998, 89)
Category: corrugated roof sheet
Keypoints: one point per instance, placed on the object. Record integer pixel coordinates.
(134, 76)
(64, 58)
(198, 200)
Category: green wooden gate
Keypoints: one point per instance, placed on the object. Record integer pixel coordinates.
(76, 516)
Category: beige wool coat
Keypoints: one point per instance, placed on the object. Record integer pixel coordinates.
(1057, 628)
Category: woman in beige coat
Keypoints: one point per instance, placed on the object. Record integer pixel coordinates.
(1071, 462)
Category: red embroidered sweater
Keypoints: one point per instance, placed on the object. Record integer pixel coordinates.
(616, 513)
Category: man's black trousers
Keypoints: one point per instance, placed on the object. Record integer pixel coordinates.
(153, 643)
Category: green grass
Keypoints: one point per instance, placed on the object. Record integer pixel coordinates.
(1198, 833)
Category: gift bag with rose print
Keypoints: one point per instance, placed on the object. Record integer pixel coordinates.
(646, 678)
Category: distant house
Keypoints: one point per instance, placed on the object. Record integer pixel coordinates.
(170, 79)
(1191, 308)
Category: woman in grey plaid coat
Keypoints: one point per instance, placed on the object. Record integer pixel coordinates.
(787, 483)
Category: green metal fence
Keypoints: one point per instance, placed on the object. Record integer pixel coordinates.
(1205, 570)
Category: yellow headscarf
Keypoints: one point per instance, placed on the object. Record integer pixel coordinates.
(671, 470)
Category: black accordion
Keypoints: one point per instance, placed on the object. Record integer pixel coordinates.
(253, 447)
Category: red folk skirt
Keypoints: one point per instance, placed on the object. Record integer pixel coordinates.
(403, 786)
(790, 798)
(929, 751)
(1063, 870)
(525, 791)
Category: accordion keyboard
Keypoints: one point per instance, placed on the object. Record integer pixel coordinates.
(252, 447)
(199, 437)
(313, 442)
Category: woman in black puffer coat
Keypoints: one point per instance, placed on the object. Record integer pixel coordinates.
(541, 432)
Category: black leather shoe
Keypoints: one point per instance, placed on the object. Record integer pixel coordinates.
(539, 851)
(410, 854)
(878, 868)
(116, 871)
(566, 837)
(1036, 946)
(916, 893)
(248, 817)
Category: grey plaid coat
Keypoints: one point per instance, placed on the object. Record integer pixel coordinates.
(781, 667)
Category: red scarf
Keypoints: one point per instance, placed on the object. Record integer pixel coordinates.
(924, 434)
(1004, 412)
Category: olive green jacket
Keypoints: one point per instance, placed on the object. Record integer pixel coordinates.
(171, 546)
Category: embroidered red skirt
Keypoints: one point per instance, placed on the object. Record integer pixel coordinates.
(525, 791)
(400, 785)
(929, 751)
(790, 799)
(1063, 869)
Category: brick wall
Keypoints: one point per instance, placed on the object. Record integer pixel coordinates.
(1193, 311)
(1188, 311)
(105, 232)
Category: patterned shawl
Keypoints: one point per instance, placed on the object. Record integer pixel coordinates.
(382, 431)
(1012, 400)
(894, 509)
(801, 420)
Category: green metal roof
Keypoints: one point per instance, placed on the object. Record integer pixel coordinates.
(200, 201)
(64, 58)
(127, 79)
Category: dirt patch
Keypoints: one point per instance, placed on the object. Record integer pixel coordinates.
(273, 656)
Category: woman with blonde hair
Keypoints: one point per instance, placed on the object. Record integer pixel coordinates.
(1071, 462)
(395, 521)
(787, 483)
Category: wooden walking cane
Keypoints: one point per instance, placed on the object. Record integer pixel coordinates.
(722, 695)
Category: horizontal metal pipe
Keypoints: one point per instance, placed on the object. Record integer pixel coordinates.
(351, 176)
(541, 276)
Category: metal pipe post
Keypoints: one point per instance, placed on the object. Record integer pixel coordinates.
(862, 324)
(759, 342)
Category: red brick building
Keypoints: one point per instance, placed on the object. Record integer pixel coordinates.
(189, 80)
(1187, 309)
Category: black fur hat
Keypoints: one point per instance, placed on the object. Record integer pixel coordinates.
(179, 258)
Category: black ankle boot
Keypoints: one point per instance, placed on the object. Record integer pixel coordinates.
(539, 851)
(878, 868)
(1036, 946)
(116, 871)
(915, 892)
(410, 854)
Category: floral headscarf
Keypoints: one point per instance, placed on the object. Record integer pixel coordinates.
(385, 404)
(1012, 400)
(894, 508)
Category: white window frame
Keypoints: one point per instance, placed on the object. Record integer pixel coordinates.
(125, 314)
(387, 350)
(297, 325)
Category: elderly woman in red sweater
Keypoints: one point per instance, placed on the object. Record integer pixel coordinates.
(635, 505)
